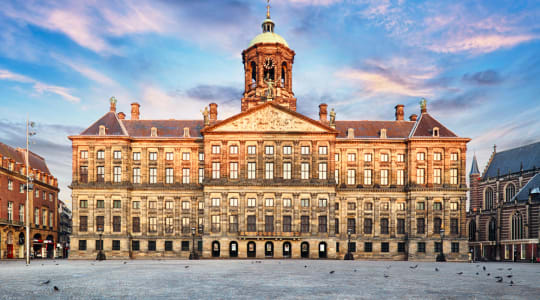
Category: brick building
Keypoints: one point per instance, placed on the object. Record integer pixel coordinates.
(269, 181)
(43, 201)
(504, 215)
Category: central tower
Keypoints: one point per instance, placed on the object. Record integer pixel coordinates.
(268, 64)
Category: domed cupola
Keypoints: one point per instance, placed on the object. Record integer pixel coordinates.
(268, 64)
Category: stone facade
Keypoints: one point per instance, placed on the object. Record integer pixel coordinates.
(43, 199)
(504, 217)
(269, 182)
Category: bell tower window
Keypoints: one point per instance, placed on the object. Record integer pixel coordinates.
(269, 69)
(283, 74)
(253, 72)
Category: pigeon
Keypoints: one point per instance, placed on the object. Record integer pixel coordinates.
(125, 263)
(436, 269)
(498, 277)
(459, 273)
(386, 276)
(355, 270)
(46, 282)
(476, 273)
(488, 274)
(413, 267)
(57, 264)
(509, 269)
(499, 280)
(511, 282)
(509, 276)
(484, 267)
(56, 288)
(305, 266)
(186, 267)
(332, 272)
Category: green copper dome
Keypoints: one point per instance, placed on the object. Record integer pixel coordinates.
(268, 37)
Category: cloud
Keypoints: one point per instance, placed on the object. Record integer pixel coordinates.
(313, 2)
(86, 71)
(215, 93)
(448, 104)
(38, 86)
(480, 43)
(487, 77)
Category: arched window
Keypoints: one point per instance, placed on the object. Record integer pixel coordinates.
(283, 74)
(472, 231)
(517, 226)
(437, 225)
(492, 229)
(510, 191)
(488, 198)
(253, 72)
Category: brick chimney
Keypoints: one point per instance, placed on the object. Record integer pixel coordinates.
(213, 112)
(413, 117)
(121, 115)
(323, 112)
(135, 110)
(399, 112)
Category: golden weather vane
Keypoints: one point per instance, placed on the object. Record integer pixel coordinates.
(268, 9)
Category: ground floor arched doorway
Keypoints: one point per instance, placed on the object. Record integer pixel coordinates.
(286, 250)
(304, 250)
(322, 250)
(233, 249)
(251, 249)
(269, 249)
(215, 249)
(9, 244)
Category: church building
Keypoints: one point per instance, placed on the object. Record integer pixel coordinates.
(269, 182)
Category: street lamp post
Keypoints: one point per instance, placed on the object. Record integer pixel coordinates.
(349, 255)
(193, 254)
(100, 255)
(440, 256)
(29, 180)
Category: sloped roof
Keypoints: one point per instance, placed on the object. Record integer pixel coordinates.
(165, 128)
(523, 194)
(510, 161)
(19, 155)
(474, 167)
(372, 129)
(425, 125)
(110, 121)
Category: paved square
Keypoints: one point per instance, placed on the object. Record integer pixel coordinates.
(266, 279)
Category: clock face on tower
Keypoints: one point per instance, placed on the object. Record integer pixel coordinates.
(268, 63)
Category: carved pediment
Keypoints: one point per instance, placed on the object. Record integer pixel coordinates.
(269, 118)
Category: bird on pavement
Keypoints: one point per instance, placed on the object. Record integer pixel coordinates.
(511, 282)
(125, 263)
(46, 282)
(56, 288)
(305, 266)
(509, 269)
(476, 273)
(484, 267)
(499, 280)
(414, 267)
(436, 269)
(488, 274)
(509, 276)
(386, 276)
(332, 272)
(186, 267)
(459, 273)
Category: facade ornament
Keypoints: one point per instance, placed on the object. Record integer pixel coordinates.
(333, 118)
(205, 114)
(270, 91)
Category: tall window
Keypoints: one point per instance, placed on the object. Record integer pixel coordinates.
(117, 203)
(351, 176)
(269, 170)
(287, 170)
(420, 156)
(252, 170)
(101, 154)
(36, 216)
(269, 202)
(384, 226)
(322, 170)
(304, 202)
(201, 175)
(287, 150)
(100, 174)
(304, 150)
(304, 171)
(44, 215)
(323, 202)
(437, 225)
(367, 177)
(437, 206)
(152, 156)
(152, 175)
(252, 150)
(84, 154)
(384, 157)
(304, 223)
(269, 150)
(286, 202)
(21, 213)
(10, 210)
(269, 223)
(323, 150)
(368, 157)
(351, 225)
(420, 176)
(233, 223)
(185, 175)
(152, 224)
(251, 223)
(323, 224)
(453, 176)
(215, 202)
(136, 175)
(136, 224)
(117, 171)
(400, 177)
(510, 192)
(233, 170)
(216, 224)
(351, 157)
(437, 156)
(492, 229)
(100, 223)
(454, 156)
(10, 185)
(169, 205)
(233, 202)
(216, 149)
(201, 156)
(216, 170)
(83, 174)
(336, 175)
(488, 198)
(117, 223)
(136, 156)
(83, 223)
(401, 157)
(400, 228)
(287, 224)
(336, 221)
(170, 156)
(420, 226)
(169, 224)
(454, 226)
(517, 226)
(185, 205)
(384, 177)
(117, 155)
(252, 202)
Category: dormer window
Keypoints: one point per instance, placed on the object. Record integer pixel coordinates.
(383, 133)
(102, 130)
(153, 132)
(350, 133)
(435, 131)
(186, 132)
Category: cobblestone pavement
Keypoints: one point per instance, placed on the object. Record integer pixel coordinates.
(266, 279)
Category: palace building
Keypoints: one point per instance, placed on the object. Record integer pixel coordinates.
(504, 217)
(269, 181)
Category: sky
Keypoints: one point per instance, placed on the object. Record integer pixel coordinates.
(476, 62)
